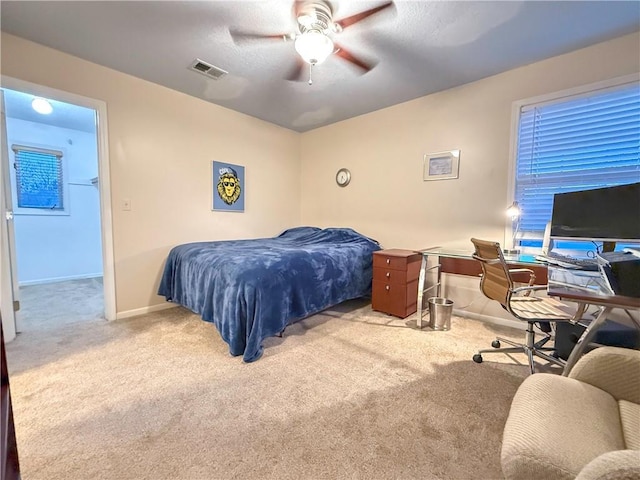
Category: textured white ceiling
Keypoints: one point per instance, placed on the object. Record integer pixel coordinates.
(64, 115)
(420, 47)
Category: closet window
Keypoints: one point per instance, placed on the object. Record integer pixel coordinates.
(573, 143)
(39, 181)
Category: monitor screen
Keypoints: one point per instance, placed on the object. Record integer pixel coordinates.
(606, 214)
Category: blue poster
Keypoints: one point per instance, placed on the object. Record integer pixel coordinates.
(228, 187)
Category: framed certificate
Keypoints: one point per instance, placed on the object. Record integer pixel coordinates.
(441, 165)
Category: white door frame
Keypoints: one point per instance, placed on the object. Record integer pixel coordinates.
(106, 223)
(8, 289)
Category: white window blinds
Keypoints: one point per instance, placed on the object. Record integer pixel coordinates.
(39, 178)
(575, 144)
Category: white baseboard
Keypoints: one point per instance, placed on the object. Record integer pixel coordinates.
(461, 313)
(144, 310)
(489, 319)
(58, 279)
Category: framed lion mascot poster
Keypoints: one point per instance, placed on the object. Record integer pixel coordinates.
(228, 187)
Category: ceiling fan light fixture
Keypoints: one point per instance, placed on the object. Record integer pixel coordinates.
(314, 46)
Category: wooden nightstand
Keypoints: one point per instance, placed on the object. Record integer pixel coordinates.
(395, 281)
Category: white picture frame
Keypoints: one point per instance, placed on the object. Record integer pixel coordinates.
(441, 165)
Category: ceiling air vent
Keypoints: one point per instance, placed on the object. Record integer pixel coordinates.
(207, 69)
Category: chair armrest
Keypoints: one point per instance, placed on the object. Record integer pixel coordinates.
(612, 369)
(615, 465)
(522, 270)
(532, 288)
(532, 279)
(514, 272)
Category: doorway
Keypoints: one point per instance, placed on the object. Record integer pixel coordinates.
(63, 261)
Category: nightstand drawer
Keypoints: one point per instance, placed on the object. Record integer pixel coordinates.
(400, 277)
(396, 259)
(398, 300)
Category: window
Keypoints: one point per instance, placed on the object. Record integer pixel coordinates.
(573, 143)
(39, 181)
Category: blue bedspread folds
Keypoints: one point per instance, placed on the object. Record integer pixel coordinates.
(252, 289)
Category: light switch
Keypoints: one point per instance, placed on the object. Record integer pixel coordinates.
(126, 204)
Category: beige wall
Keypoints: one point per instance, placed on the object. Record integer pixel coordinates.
(387, 198)
(161, 145)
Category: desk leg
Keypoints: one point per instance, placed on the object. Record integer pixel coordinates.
(439, 278)
(421, 280)
(584, 340)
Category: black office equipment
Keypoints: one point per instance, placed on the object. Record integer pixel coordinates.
(607, 214)
(610, 333)
(622, 272)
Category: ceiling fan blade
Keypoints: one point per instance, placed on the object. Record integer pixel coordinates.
(348, 21)
(298, 7)
(242, 38)
(296, 73)
(365, 66)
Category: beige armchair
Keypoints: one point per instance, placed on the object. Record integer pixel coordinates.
(584, 426)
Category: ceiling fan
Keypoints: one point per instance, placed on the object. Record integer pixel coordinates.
(314, 35)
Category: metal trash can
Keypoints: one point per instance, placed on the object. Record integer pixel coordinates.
(440, 313)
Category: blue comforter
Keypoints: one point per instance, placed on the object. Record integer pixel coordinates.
(252, 289)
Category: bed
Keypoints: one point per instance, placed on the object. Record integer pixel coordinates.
(253, 289)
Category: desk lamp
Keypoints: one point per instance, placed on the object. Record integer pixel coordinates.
(514, 213)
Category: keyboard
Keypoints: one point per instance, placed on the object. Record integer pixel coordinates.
(566, 261)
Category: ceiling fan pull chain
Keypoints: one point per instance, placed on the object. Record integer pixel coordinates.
(310, 69)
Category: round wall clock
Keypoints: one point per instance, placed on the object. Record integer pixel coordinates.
(343, 177)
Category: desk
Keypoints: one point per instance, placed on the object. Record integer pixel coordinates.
(461, 262)
(585, 289)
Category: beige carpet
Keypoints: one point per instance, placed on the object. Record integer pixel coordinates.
(349, 393)
(52, 305)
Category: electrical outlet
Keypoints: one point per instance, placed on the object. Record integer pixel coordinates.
(126, 204)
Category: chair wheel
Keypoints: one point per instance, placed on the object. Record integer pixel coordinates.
(495, 344)
(477, 358)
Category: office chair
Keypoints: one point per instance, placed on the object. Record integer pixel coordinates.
(497, 283)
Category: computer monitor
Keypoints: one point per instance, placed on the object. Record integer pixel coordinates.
(610, 214)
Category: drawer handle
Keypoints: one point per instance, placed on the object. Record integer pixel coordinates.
(388, 275)
(387, 287)
(388, 261)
